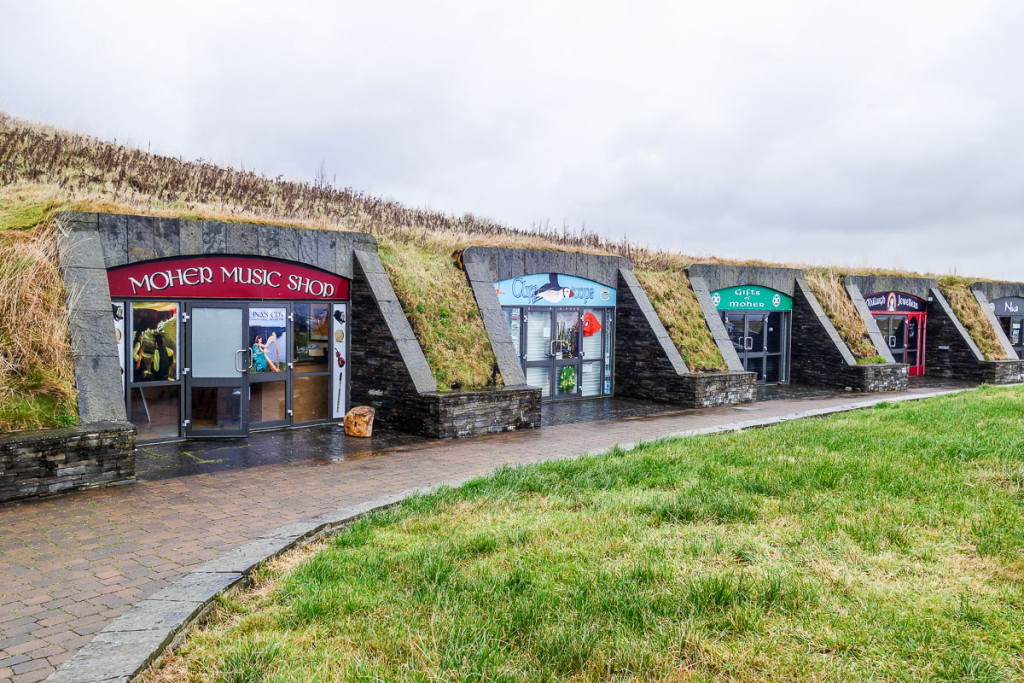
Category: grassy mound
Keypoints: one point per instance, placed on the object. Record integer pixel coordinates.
(957, 291)
(884, 544)
(827, 286)
(676, 304)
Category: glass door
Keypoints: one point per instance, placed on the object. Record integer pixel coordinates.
(1014, 329)
(537, 355)
(269, 378)
(566, 350)
(761, 341)
(216, 393)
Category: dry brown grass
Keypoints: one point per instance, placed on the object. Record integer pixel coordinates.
(36, 372)
(826, 283)
(957, 291)
(677, 307)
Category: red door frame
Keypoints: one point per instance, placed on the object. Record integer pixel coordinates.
(914, 370)
(918, 369)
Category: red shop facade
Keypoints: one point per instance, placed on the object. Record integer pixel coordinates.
(220, 345)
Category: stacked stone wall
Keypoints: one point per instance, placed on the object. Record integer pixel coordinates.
(46, 462)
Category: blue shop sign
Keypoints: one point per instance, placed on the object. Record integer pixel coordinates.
(552, 289)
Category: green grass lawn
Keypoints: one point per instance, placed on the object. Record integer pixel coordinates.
(883, 544)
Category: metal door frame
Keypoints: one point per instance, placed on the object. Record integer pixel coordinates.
(242, 382)
(260, 378)
(785, 320)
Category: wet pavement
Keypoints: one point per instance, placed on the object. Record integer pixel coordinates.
(327, 443)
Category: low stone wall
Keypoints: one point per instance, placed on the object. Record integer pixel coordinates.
(45, 462)
(475, 413)
(876, 377)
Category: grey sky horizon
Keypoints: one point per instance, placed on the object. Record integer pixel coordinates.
(876, 134)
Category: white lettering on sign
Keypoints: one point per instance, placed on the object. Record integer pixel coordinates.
(297, 283)
(162, 279)
(875, 300)
(250, 276)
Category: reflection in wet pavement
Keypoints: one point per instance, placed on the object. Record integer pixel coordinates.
(200, 456)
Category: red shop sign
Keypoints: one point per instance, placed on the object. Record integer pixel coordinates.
(224, 277)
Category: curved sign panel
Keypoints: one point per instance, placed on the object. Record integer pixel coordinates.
(1008, 307)
(552, 289)
(224, 277)
(751, 298)
(895, 302)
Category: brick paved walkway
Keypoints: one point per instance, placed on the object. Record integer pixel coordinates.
(70, 565)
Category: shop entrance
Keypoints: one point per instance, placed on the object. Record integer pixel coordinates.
(758, 322)
(760, 340)
(199, 367)
(1010, 313)
(901, 320)
(566, 351)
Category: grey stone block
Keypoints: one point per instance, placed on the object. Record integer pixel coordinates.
(245, 557)
(369, 261)
(80, 249)
(509, 363)
(381, 288)
(242, 239)
(871, 284)
(113, 231)
(190, 237)
(78, 220)
(307, 245)
(269, 240)
(112, 657)
(327, 245)
(88, 289)
(416, 364)
(166, 237)
(100, 393)
(480, 271)
(93, 334)
(197, 587)
(140, 238)
(343, 262)
(154, 615)
(214, 237)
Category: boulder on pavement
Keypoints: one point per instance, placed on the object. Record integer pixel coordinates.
(359, 421)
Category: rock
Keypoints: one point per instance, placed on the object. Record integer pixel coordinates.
(359, 421)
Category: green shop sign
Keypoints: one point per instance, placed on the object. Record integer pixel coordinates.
(751, 298)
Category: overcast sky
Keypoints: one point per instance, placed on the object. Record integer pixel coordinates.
(869, 133)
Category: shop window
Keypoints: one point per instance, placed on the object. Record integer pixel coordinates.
(154, 344)
(310, 343)
(155, 412)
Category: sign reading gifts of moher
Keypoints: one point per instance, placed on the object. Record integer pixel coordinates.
(751, 298)
(1008, 307)
(551, 289)
(224, 277)
(895, 302)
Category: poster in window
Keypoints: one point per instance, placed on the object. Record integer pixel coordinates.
(320, 322)
(118, 311)
(339, 322)
(268, 330)
(154, 344)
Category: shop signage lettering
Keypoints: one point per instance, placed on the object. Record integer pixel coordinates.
(894, 302)
(1008, 307)
(751, 298)
(225, 277)
(552, 289)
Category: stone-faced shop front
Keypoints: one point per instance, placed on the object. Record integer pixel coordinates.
(218, 345)
(189, 328)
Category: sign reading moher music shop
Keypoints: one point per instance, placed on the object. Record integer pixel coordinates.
(225, 277)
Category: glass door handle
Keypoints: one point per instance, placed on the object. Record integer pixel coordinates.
(748, 343)
(552, 352)
(238, 367)
(892, 342)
